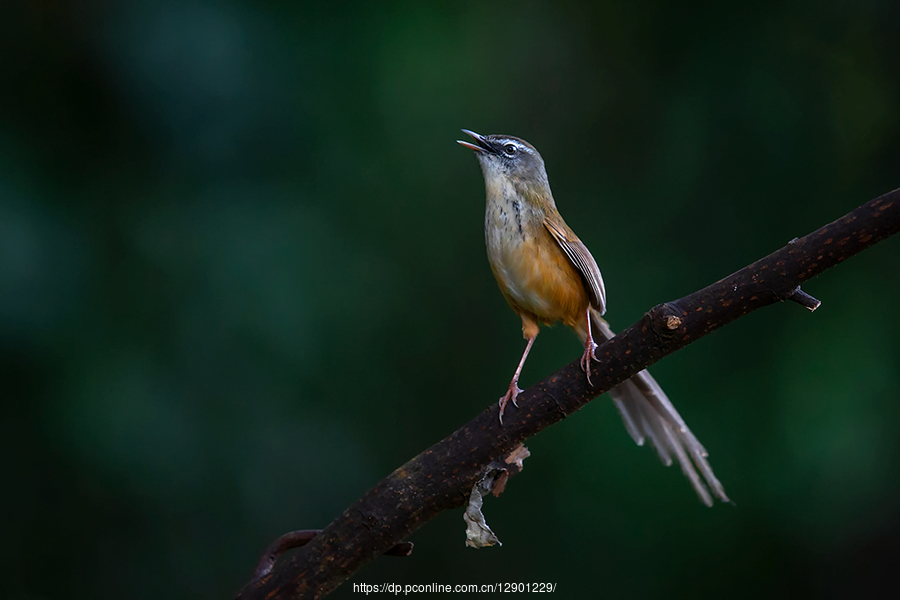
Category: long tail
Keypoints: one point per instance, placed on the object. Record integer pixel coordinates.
(648, 413)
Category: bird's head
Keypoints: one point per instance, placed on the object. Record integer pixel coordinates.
(507, 160)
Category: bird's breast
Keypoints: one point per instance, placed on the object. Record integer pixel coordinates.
(530, 267)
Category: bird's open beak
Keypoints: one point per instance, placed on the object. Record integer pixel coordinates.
(482, 144)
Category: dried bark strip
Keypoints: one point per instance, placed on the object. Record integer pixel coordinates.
(441, 477)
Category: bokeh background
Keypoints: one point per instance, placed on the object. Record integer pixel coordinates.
(243, 278)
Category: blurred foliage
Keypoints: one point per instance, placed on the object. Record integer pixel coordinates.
(242, 278)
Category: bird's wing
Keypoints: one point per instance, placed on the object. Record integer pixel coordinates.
(581, 259)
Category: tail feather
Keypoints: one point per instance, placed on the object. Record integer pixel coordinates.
(647, 413)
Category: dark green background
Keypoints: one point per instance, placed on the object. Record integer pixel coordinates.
(243, 278)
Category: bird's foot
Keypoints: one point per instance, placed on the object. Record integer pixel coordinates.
(587, 357)
(510, 396)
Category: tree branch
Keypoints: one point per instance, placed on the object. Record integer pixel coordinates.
(442, 476)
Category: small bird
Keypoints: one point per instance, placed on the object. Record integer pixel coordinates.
(547, 275)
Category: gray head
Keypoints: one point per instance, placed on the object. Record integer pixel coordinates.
(508, 157)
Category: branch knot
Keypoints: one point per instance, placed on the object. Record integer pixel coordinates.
(665, 320)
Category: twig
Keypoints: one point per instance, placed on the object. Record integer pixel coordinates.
(295, 539)
(804, 299)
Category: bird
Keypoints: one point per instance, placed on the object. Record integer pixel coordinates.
(548, 275)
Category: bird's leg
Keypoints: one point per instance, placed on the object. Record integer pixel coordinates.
(589, 347)
(514, 384)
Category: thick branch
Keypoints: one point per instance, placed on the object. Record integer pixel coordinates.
(442, 476)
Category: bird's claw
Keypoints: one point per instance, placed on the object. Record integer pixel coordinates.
(587, 357)
(509, 396)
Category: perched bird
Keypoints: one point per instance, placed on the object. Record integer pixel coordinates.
(547, 275)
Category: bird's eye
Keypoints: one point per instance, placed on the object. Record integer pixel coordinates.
(510, 149)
